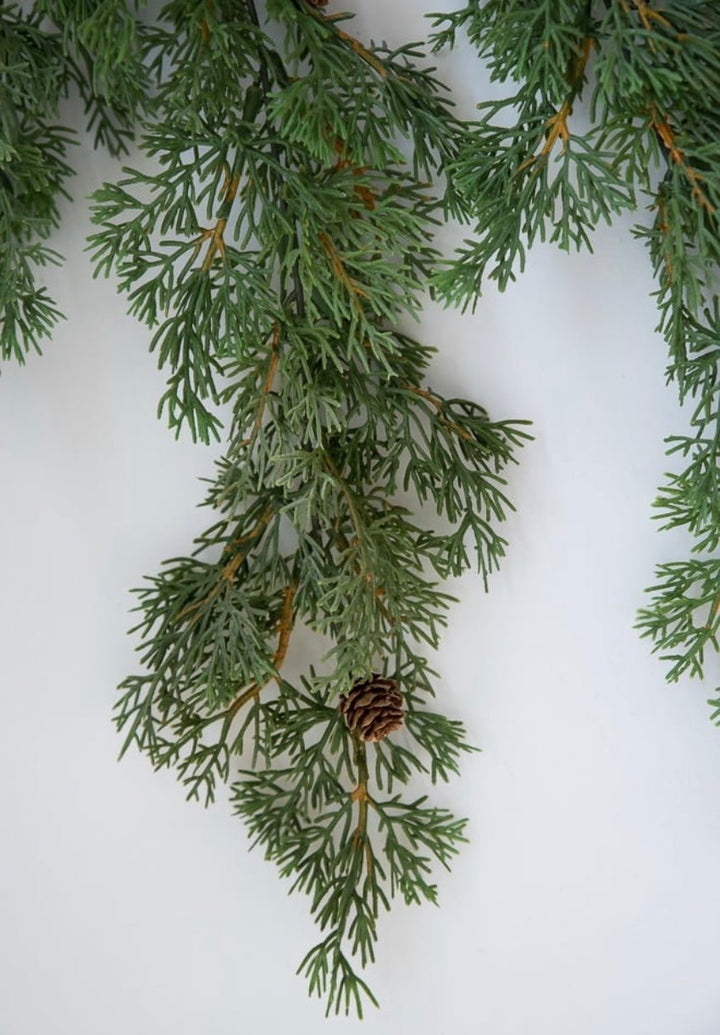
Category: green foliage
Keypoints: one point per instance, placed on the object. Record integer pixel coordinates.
(350, 852)
(275, 239)
(102, 45)
(43, 52)
(684, 615)
(32, 174)
(614, 105)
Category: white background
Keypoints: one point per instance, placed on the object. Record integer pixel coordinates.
(588, 902)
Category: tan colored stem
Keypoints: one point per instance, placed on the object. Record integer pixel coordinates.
(439, 405)
(230, 569)
(352, 286)
(647, 14)
(665, 132)
(354, 517)
(556, 127)
(713, 612)
(285, 627)
(216, 234)
(363, 799)
(367, 55)
(266, 388)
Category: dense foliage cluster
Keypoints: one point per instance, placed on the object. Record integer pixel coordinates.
(275, 234)
(275, 238)
(614, 106)
(47, 49)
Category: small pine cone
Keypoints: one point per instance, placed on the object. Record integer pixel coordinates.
(373, 708)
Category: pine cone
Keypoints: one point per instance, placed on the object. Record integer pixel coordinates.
(373, 708)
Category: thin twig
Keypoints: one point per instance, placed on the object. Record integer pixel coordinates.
(713, 613)
(439, 406)
(266, 388)
(361, 796)
(351, 507)
(647, 15)
(367, 56)
(230, 569)
(285, 627)
(675, 155)
(556, 126)
(352, 286)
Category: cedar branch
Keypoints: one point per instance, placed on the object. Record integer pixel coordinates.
(354, 517)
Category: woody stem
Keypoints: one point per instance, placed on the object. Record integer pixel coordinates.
(360, 795)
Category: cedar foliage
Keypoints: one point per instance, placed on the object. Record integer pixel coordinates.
(643, 80)
(46, 51)
(274, 237)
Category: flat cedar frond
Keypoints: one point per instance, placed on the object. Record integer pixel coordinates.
(275, 238)
(45, 48)
(647, 76)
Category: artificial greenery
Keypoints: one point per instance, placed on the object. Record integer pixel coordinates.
(275, 233)
(276, 239)
(614, 105)
(46, 50)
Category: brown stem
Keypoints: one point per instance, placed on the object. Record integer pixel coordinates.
(216, 234)
(439, 406)
(354, 517)
(352, 286)
(556, 126)
(230, 569)
(361, 796)
(713, 613)
(204, 27)
(668, 139)
(284, 629)
(362, 52)
(266, 388)
(647, 14)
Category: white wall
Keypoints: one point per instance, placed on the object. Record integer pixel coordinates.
(588, 902)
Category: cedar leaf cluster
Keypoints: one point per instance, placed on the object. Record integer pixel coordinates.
(275, 238)
(613, 105)
(46, 50)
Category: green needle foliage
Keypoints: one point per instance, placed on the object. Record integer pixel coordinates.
(614, 105)
(45, 50)
(274, 238)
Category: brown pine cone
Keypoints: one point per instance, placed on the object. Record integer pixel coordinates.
(373, 708)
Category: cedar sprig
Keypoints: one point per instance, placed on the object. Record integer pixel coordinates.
(46, 49)
(275, 239)
(350, 850)
(613, 106)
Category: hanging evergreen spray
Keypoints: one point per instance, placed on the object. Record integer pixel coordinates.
(274, 236)
(647, 76)
(44, 53)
